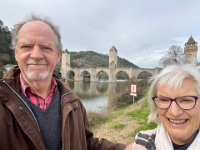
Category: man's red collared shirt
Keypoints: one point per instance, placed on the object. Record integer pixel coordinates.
(36, 99)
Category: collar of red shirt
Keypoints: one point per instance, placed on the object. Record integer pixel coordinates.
(26, 88)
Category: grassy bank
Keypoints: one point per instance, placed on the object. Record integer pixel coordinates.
(122, 125)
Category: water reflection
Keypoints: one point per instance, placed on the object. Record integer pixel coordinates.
(102, 96)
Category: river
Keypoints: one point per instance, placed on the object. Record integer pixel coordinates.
(103, 96)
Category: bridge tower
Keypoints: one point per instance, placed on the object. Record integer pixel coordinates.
(190, 51)
(113, 57)
(65, 63)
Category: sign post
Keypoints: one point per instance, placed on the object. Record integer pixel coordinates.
(133, 91)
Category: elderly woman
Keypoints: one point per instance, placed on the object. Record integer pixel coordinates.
(174, 97)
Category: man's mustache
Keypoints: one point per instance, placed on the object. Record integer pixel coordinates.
(36, 62)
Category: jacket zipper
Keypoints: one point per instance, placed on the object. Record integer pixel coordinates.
(23, 102)
(68, 110)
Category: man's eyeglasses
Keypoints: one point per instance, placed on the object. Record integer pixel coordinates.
(185, 102)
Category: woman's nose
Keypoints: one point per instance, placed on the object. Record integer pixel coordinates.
(174, 109)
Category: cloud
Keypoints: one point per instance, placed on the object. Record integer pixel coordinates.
(141, 30)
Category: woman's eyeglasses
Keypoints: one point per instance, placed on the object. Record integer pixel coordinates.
(185, 102)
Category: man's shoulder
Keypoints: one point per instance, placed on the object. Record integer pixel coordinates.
(3, 84)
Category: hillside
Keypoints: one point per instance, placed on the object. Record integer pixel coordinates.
(121, 125)
(94, 59)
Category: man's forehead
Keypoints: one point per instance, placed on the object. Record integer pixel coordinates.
(35, 40)
(35, 23)
(36, 27)
(36, 31)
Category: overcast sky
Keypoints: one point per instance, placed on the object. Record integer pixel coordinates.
(141, 30)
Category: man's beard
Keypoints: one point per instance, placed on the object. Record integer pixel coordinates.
(36, 76)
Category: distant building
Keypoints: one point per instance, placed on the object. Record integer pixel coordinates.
(190, 51)
(65, 62)
(113, 57)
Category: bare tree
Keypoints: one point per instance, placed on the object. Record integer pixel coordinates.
(175, 55)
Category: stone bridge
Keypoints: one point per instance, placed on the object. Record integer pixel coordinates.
(110, 74)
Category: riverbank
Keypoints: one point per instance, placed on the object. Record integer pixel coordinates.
(121, 125)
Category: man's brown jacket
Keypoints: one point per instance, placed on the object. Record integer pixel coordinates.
(19, 129)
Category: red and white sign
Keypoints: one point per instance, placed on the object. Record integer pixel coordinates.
(133, 89)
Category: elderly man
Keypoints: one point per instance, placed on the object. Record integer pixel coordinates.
(37, 111)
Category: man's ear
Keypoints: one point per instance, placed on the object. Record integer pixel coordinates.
(16, 58)
(59, 57)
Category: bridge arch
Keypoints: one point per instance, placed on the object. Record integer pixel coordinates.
(102, 76)
(121, 75)
(144, 75)
(85, 75)
(70, 75)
